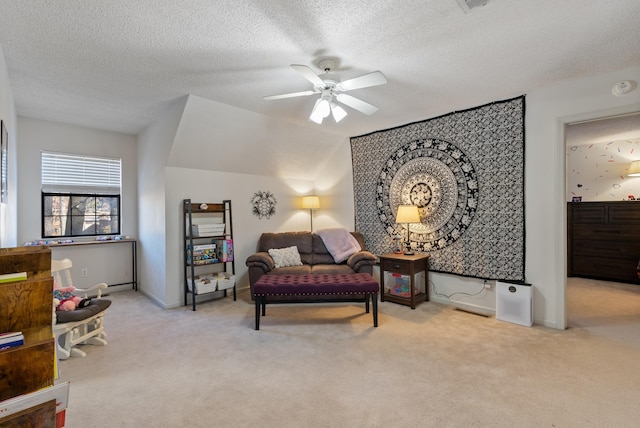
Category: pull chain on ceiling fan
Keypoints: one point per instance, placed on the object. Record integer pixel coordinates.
(329, 87)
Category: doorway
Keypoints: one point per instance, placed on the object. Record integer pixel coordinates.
(599, 153)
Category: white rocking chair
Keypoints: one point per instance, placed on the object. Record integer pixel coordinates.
(82, 325)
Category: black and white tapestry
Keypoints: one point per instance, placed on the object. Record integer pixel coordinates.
(465, 172)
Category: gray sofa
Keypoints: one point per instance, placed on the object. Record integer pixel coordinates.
(313, 253)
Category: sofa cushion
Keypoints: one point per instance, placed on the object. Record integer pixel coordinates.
(292, 270)
(331, 269)
(302, 240)
(284, 257)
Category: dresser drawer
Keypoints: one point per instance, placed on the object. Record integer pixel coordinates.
(588, 214)
(622, 248)
(397, 266)
(616, 269)
(624, 214)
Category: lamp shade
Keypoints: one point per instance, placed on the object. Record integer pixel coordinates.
(634, 169)
(311, 202)
(408, 214)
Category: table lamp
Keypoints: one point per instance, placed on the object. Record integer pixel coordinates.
(408, 214)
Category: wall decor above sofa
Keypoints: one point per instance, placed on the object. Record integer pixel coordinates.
(465, 172)
(263, 204)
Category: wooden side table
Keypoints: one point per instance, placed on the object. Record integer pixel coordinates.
(405, 265)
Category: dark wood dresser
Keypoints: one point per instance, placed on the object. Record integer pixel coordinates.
(603, 240)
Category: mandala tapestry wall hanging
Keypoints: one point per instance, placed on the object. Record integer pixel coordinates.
(263, 204)
(465, 172)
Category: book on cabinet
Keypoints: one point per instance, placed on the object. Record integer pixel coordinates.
(208, 262)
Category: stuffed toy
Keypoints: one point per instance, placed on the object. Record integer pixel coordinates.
(65, 299)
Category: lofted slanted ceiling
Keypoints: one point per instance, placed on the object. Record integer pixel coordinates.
(247, 143)
(116, 65)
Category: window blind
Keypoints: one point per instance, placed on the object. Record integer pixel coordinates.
(69, 173)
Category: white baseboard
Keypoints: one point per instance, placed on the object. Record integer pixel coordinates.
(483, 310)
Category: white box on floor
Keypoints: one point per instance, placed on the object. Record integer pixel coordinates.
(514, 303)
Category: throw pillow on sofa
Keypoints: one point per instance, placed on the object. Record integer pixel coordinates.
(283, 257)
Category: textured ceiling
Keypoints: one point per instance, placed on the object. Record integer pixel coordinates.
(607, 130)
(116, 64)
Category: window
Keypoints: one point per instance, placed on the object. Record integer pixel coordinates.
(80, 195)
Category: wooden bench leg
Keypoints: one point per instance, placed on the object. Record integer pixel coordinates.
(366, 302)
(257, 300)
(374, 299)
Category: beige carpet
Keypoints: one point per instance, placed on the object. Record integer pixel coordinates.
(326, 366)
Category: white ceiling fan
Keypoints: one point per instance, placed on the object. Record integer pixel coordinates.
(329, 86)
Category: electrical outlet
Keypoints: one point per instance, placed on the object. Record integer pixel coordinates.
(84, 272)
(487, 285)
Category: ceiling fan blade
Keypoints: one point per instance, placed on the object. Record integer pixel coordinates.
(290, 95)
(308, 74)
(356, 104)
(374, 78)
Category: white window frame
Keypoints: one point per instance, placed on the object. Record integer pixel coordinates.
(80, 176)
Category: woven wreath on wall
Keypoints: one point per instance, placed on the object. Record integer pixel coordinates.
(263, 204)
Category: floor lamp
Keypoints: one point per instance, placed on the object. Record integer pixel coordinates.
(311, 203)
(408, 214)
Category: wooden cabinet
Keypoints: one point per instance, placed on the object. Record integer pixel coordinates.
(27, 306)
(603, 240)
(208, 249)
(405, 268)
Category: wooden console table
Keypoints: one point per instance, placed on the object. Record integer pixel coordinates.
(134, 255)
(405, 265)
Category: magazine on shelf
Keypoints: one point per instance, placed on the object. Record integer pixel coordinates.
(13, 277)
(10, 337)
(10, 345)
(10, 334)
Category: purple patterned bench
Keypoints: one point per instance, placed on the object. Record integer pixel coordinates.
(315, 285)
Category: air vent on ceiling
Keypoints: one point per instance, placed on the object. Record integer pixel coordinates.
(467, 5)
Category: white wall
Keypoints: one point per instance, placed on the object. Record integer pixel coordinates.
(334, 185)
(154, 145)
(213, 187)
(8, 211)
(598, 171)
(548, 110)
(36, 135)
(207, 136)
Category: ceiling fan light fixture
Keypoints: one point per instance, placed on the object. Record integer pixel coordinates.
(338, 112)
(316, 118)
(317, 114)
(324, 108)
(329, 86)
